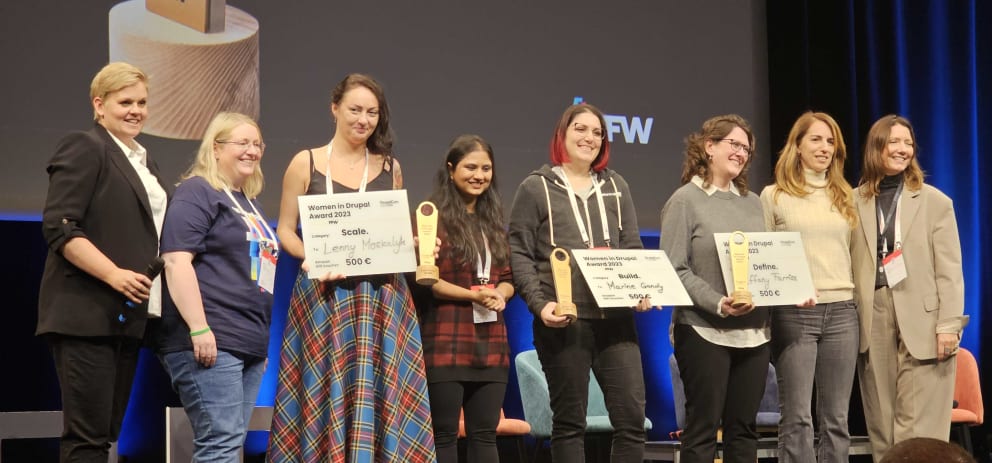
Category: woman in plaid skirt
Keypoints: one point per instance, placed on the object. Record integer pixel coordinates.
(351, 379)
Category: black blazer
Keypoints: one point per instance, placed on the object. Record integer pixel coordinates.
(94, 192)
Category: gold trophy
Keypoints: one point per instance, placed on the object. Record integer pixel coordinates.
(739, 248)
(562, 273)
(427, 272)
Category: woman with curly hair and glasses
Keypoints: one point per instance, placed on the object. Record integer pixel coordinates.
(721, 348)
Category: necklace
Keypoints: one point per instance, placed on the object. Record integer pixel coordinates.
(327, 173)
(352, 164)
(355, 163)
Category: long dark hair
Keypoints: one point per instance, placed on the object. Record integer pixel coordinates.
(462, 227)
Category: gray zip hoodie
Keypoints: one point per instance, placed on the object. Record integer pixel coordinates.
(542, 219)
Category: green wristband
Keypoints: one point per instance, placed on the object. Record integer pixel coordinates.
(199, 332)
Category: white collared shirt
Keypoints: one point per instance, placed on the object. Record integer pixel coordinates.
(157, 199)
(736, 337)
(709, 190)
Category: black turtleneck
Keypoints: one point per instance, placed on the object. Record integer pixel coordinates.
(886, 194)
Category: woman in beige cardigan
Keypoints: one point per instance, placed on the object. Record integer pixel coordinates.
(817, 344)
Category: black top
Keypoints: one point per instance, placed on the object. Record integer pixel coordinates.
(886, 194)
(381, 182)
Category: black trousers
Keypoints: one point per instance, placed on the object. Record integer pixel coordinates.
(610, 348)
(481, 402)
(95, 376)
(722, 385)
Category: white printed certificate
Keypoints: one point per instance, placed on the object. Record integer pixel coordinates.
(622, 277)
(778, 273)
(357, 233)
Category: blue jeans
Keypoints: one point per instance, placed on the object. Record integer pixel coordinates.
(818, 344)
(218, 400)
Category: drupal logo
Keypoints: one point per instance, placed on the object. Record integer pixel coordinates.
(630, 129)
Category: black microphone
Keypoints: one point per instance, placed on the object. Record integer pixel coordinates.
(153, 270)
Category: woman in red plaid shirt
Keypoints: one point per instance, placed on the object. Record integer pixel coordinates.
(464, 337)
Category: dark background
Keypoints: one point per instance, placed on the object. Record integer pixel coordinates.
(503, 70)
(506, 71)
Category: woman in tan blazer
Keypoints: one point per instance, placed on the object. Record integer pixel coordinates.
(906, 258)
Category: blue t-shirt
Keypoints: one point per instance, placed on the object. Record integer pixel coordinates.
(203, 221)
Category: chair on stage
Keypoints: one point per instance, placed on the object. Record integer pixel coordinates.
(970, 410)
(537, 402)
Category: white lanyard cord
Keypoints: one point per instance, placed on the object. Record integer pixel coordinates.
(619, 209)
(578, 216)
(266, 232)
(327, 172)
(483, 268)
(551, 221)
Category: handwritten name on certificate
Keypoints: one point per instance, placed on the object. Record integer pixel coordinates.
(778, 273)
(622, 277)
(357, 233)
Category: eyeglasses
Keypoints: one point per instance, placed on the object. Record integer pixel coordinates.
(737, 146)
(583, 129)
(244, 144)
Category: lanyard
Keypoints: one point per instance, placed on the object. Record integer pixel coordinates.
(885, 221)
(256, 224)
(483, 268)
(327, 173)
(578, 216)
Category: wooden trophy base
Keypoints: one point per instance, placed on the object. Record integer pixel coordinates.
(741, 298)
(568, 311)
(427, 275)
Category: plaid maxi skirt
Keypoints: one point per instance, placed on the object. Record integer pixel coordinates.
(351, 380)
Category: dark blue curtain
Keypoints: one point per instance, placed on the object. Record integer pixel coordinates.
(930, 61)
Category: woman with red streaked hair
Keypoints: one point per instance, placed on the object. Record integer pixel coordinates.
(579, 203)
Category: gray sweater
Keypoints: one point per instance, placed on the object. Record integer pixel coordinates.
(530, 236)
(688, 221)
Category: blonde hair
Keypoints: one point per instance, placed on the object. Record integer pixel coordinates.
(874, 166)
(205, 164)
(789, 176)
(112, 78)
